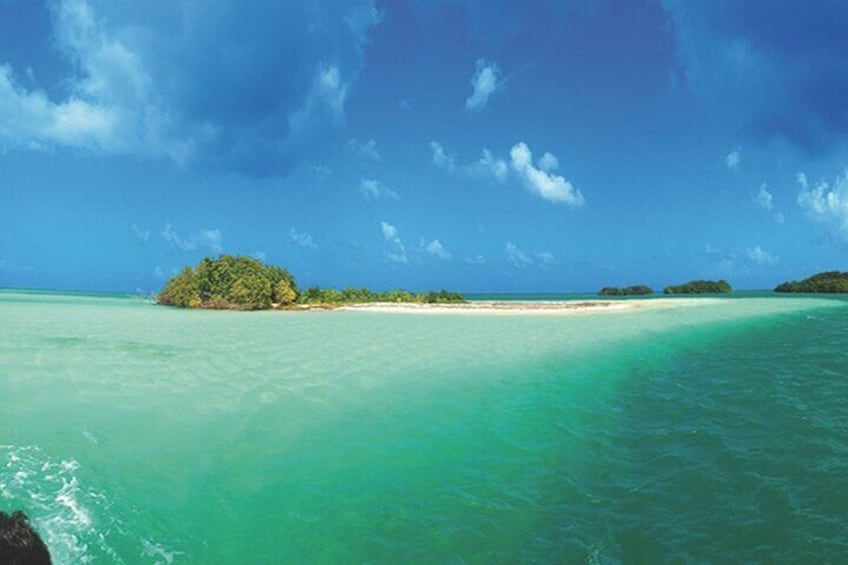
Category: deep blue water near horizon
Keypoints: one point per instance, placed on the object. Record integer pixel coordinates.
(133, 433)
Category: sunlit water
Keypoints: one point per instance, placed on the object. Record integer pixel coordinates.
(132, 433)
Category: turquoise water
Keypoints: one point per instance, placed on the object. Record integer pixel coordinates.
(132, 433)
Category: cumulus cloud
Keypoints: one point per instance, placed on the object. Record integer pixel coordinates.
(759, 256)
(229, 99)
(302, 239)
(476, 260)
(440, 158)
(545, 184)
(488, 166)
(548, 162)
(372, 189)
(540, 179)
(780, 68)
(30, 120)
(485, 82)
(393, 248)
(764, 199)
(826, 204)
(324, 101)
(545, 257)
(516, 257)
(732, 160)
(365, 149)
(436, 249)
(211, 239)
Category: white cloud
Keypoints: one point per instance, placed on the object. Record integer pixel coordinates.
(140, 234)
(326, 98)
(216, 103)
(488, 167)
(540, 180)
(441, 159)
(111, 105)
(826, 205)
(485, 82)
(302, 239)
(779, 218)
(476, 260)
(171, 236)
(436, 249)
(394, 249)
(516, 257)
(759, 256)
(30, 119)
(764, 199)
(733, 159)
(389, 231)
(372, 189)
(365, 149)
(545, 257)
(548, 162)
(259, 255)
(209, 239)
(553, 188)
(802, 180)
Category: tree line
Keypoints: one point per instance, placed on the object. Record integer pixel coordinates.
(245, 283)
(691, 287)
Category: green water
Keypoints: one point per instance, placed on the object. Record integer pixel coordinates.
(132, 433)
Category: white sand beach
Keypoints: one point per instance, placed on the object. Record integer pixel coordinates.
(540, 308)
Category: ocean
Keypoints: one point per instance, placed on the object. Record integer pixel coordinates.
(134, 433)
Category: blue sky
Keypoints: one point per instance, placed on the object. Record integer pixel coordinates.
(479, 146)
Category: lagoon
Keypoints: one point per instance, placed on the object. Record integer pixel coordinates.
(135, 433)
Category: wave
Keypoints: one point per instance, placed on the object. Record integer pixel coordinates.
(76, 521)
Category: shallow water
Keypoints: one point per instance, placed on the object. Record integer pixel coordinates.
(141, 434)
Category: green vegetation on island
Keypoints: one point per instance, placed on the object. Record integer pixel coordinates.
(634, 290)
(828, 281)
(244, 283)
(699, 287)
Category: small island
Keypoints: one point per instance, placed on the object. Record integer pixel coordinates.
(825, 282)
(699, 287)
(635, 290)
(244, 283)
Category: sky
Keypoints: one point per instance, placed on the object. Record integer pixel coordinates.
(480, 146)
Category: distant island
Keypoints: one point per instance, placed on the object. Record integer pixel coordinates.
(827, 281)
(635, 290)
(699, 287)
(244, 283)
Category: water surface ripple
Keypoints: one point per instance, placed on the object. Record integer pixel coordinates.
(138, 434)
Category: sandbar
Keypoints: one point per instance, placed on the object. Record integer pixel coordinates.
(534, 308)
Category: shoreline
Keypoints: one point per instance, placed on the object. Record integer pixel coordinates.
(541, 308)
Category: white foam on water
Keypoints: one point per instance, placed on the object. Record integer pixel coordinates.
(155, 550)
(68, 515)
(74, 520)
(50, 494)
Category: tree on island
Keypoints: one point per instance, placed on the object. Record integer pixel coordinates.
(229, 282)
(826, 282)
(634, 290)
(699, 287)
(244, 283)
